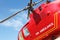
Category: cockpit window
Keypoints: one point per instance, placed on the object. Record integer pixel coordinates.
(26, 32)
(21, 36)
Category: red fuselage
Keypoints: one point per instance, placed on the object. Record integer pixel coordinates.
(44, 23)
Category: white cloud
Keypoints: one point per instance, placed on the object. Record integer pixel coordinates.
(13, 10)
(22, 15)
(18, 22)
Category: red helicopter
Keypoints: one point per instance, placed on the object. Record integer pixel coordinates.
(44, 23)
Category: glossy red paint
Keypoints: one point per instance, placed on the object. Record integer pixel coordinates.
(44, 23)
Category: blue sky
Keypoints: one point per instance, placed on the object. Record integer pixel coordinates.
(9, 29)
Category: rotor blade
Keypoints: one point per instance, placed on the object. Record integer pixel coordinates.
(31, 1)
(32, 4)
(41, 0)
(35, 3)
(13, 15)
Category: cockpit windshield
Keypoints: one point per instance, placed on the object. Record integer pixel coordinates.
(26, 32)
